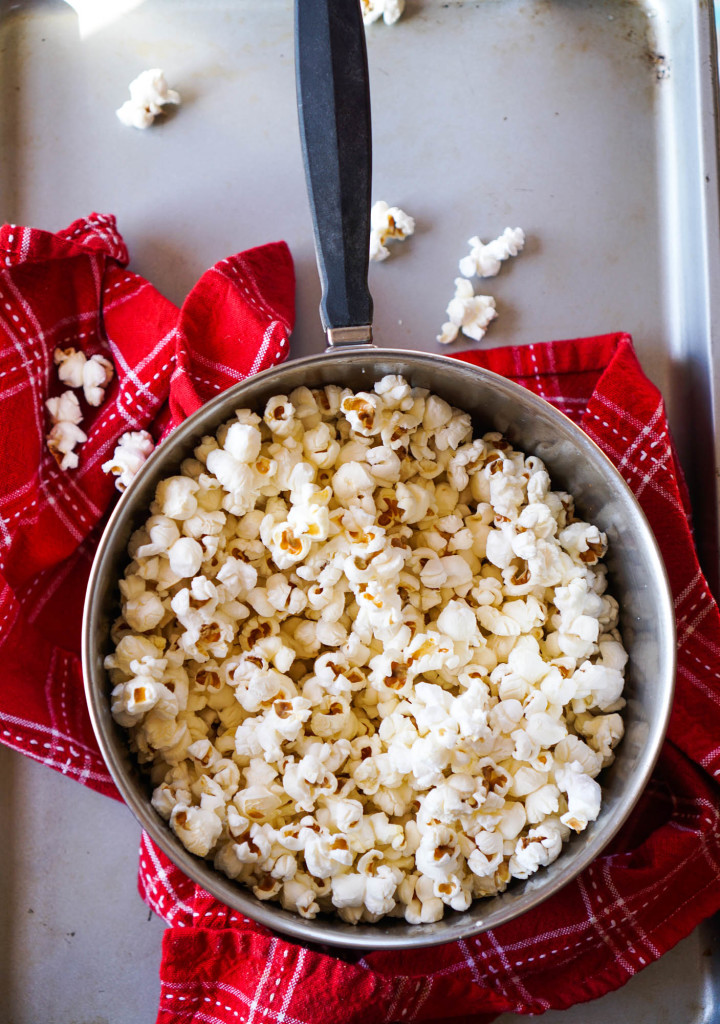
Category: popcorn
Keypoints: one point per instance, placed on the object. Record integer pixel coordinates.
(197, 828)
(454, 432)
(320, 446)
(132, 648)
(455, 892)
(185, 557)
(467, 312)
(306, 407)
(384, 464)
(343, 814)
(389, 10)
(65, 432)
(237, 480)
(488, 853)
(327, 855)
(131, 452)
(603, 733)
(387, 223)
(256, 803)
(542, 803)
(572, 748)
(281, 594)
(424, 907)
(583, 795)
(312, 519)
(306, 779)
(268, 888)
(298, 894)
(134, 699)
(437, 413)
(381, 881)
(348, 890)
(243, 442)
(64, 409)
(353, 483)
(371, 659)
(175, 498)
(331, 634)
(545, 730)
(458, 573)
(149, 93)
(414, 500)
(70, 364)
(77, 371)
(599, 685)
(97, 374)
(540, 847)
(280, 416)
(438, 854)
(144, 612)
(485, 260)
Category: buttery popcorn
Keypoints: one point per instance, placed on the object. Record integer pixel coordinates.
(131, 452)
(387, 224)
(369, 661)
(485, 260)
(389, 10)
(467, 312)
(65, 432)
(149, 93)
(77, 371)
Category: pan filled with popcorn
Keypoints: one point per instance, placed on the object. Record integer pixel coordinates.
(378, 646)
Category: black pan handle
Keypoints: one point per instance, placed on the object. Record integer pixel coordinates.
(333, 96)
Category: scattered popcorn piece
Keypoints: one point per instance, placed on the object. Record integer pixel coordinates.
(77, 371)
(97, 374)
(61, 441)
(149, 93)
(64, 409)
(389, 10)
(448, 333)
(485, 260)
(387, 223)
(131, 452)
(371, 658)
(70, 364)
(468, 313)
(65, 433)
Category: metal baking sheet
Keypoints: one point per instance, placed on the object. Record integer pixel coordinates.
(591, 125)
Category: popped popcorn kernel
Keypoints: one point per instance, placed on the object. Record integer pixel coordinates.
(65, 432)
(70, 364)
(486, 260)
(131, 452)
(371, 658)
(389, 10)
(77, 371)
(468, 313)
(97, 374)
(149, 93)
(387, 224)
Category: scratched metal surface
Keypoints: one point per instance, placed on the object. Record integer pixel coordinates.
(589, 124)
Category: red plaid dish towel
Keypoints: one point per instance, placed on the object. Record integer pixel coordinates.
(659, 878)
(72, 290)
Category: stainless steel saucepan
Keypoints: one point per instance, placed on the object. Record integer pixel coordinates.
(333, 101)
